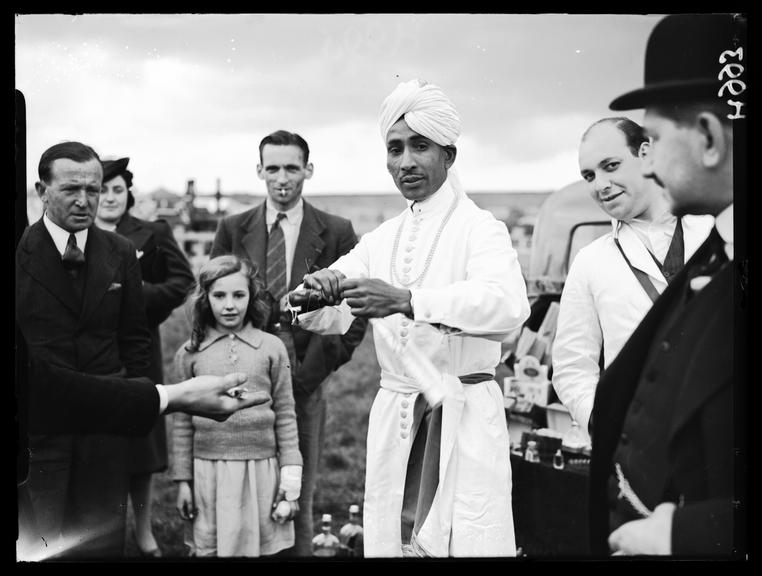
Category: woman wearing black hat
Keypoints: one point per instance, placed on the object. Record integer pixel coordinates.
(167, 279)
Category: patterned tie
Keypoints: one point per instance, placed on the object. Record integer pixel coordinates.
(718, 257)
(702, 274)
(675, 257)
(73, 258)
(276, 260)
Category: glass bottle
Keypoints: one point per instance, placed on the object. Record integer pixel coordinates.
(574, 439)
(558, 460)
(531, 454)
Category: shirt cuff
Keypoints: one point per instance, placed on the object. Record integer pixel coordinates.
(291, 481)
(163, 398)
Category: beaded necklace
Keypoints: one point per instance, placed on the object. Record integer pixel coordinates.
(393, 264)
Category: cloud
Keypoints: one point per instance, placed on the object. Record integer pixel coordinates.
(190, 96)
(483, 167)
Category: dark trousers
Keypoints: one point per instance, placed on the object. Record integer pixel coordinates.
(77, 492)
(310, 419)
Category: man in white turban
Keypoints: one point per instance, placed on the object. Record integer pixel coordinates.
(442, 286)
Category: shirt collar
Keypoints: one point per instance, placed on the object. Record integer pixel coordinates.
(439, 200)
(666, 220)
(293, 215)
(61, 236)
(724, 224)
(248, 334)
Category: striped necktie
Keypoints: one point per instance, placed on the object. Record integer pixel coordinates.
(73, 258)
(276, 260)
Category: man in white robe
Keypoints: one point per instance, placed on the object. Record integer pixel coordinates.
(442, 286)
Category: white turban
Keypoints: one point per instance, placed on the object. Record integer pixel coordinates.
(426, 109)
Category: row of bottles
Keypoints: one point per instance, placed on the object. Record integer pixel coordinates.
(532, 455)
(574, 439)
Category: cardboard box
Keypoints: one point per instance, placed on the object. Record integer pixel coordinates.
(537, 392)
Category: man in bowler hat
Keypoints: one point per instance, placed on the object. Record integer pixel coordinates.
(665, 465)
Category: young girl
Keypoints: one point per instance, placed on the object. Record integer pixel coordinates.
(238, 480)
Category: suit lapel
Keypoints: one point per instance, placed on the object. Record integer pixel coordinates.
(309, 245)
(254, 238)
(619, 381)
(696, 391)
(41, 260)
(102, 262)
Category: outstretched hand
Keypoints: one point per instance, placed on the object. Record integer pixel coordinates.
(214, 397)
(328, 282)
(374, 298)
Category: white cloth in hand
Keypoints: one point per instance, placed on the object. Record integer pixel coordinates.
(291, 481)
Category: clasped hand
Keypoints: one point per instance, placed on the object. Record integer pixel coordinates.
(284, 510)
(651, 536)
(367, 297)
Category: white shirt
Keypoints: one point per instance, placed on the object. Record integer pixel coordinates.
(656, 235)
(61, 236)
(290, 224)
(602, 303)
(724, 224)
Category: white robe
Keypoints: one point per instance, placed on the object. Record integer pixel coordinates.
(472, 296)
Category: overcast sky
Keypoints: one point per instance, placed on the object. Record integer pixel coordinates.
(191, 96)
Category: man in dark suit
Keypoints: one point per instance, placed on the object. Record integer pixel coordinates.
(286, 238)
(79, 305)
(666, 459)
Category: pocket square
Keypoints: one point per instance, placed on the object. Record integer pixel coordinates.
(114, 286)
(138, 253)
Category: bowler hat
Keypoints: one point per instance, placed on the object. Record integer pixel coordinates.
(113, 168)
(683, 59)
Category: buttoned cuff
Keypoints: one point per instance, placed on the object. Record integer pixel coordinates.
(291, 481)
(163, 398)
(425, 306)
(428, 306)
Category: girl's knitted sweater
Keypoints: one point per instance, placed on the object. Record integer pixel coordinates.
(253, 433)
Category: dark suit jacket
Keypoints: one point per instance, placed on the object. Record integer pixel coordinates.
(108, 333)
(323, 238)
(167, 276)
(69, 402)
(700, 442)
